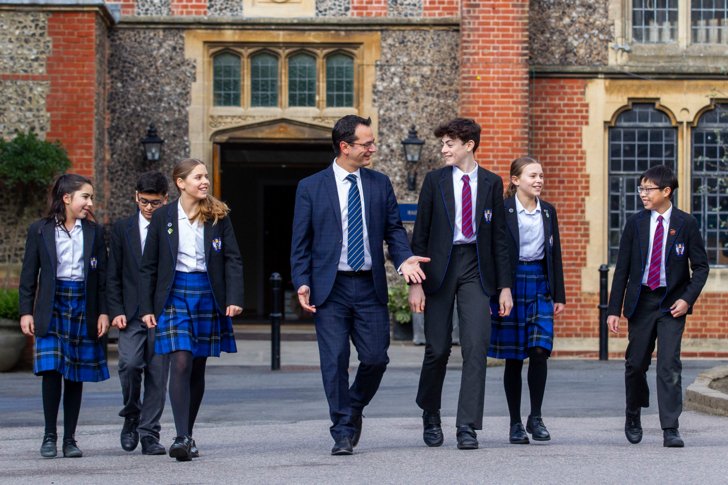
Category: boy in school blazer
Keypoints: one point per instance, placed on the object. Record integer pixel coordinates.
(137, 358)
(654, 287)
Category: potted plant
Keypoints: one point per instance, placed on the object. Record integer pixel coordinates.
(399, 312)
(12, 340)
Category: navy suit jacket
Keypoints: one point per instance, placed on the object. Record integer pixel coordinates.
(125, 260)
(435, 229)
(222, 256)
(38, 276)
(552, 246)
(685, 251)
(318, 235)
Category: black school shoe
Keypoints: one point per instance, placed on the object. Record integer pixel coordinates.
(432, 428)
(48, 447)
(538, 430)
(467, 439)
(71, 449)
(129, 436)
(151, 446)
(633, 427)
(181, 448)
(518, 435)
(671, 438)
(342, 446)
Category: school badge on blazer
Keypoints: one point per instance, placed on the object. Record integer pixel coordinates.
(679, 249)
(487, 215)
(169, 228)
(93, 262)
(217, 244)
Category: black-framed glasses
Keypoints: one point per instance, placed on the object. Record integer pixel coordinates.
(366, 146)
(153, 203)
(647, 190)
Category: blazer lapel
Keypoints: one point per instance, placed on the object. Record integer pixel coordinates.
(88, 245)
(484, 188)
(643, 226)
(448, 196)
(366, 185)
(512, 219)
(173, 224)
(208, 239)
(676, 222)
(134, 238)
(333, 194)
(48, 232)
(547, 229)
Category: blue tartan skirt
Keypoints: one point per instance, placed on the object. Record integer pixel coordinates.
(190, 320)
(531, 322)
(66, 347)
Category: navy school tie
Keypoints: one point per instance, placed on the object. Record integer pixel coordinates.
(355, 242)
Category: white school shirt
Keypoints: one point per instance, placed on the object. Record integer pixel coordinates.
(530, 232)
(342, 189)
(457, 184)
(143, 229)
(666, 228)
(191, 248)
(69, 253)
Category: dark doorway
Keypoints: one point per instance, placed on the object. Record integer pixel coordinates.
(258, 181)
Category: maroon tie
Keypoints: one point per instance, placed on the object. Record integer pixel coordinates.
(467, 221)
(653, 277)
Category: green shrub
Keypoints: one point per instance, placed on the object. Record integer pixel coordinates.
(9, 306)
(398, 303)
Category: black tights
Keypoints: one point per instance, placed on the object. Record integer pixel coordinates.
(186, 388)
(537, 370)
(52, 389)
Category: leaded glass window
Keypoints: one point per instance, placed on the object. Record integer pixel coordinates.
(654, 21)
(226, 80)
(709, 182)
(263, 80)
(709, 19)
(641, 138)
(339, 81)
(302, 80)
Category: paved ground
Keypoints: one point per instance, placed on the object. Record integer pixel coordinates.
(260, 426)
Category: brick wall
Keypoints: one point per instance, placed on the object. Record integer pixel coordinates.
(189, 7)
(440, 8)
(72, 73)
(368, 8)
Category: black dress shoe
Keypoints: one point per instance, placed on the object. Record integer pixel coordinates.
(342, 446)
(129, 435)
(194, 452)
(151, 446)
(671, 438)
(633, 428)
(71, 449)
(180, 449)
(518, 435)
(432, 428)
(356, 422)
(467, 439)
(538, 430)
(48, 447)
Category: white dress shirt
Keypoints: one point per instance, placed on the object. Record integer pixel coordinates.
(342, 188)
(530, 232)
(191, 248)
(457, 183)
(666, 228)
(69, 253)
(143, 229)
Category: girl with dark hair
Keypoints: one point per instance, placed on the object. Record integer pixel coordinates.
(538, 295)
(191, 285)
(63, 304)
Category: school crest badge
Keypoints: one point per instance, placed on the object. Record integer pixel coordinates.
(487, 215)
(93, 262)
(546, 213)
(169, 228)
(680, 249)
(217, 244)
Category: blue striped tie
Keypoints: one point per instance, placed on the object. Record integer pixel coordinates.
(355, 242)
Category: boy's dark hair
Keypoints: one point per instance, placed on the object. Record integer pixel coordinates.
(464, 129)
(68, 183)
(662, 176)
(345, 130)
(152, 183)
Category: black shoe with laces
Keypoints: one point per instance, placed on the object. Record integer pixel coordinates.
(129, 435)
(181, 448)
(518, 435)
(633, 427)
(432, 428)
(538, 430)
(671, 438)
(71, 449)
(48, 448)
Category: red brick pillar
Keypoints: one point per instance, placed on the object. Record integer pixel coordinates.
(494, 77)
(189, 7)
(368, 8)
(440, 8)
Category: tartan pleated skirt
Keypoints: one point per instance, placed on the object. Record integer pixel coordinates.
(531, 322)
(190, 320)
(66, 347)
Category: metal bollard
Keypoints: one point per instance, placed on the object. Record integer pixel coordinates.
(603, 296)
(275, 322)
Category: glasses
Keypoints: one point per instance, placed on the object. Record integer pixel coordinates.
(153, 203)
(366, 146)
(647, 190)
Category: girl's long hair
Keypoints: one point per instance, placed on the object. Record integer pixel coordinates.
(68, 183)
(517, 167)
(208, 209)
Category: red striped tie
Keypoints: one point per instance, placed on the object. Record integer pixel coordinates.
(653, 277)
(467, 221)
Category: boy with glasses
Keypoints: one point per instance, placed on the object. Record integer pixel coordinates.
(654, 287)
(137, 359)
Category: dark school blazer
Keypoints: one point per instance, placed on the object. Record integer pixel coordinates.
(684, 251)
(38, 277)
(552, 245)
(125, 260)
(435, 227)
(222, 256)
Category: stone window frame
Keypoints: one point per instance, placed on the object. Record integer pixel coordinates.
(249, 77)
(283, 53)
(241, 92)
(296, 54)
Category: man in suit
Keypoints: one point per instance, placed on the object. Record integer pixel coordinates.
(137, 359)
(461, 226)
(655, 289)
(343, 215)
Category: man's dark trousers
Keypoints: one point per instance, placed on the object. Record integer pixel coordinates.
(647, 324)
(462, 280)
(137, 359)
(352, 308)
